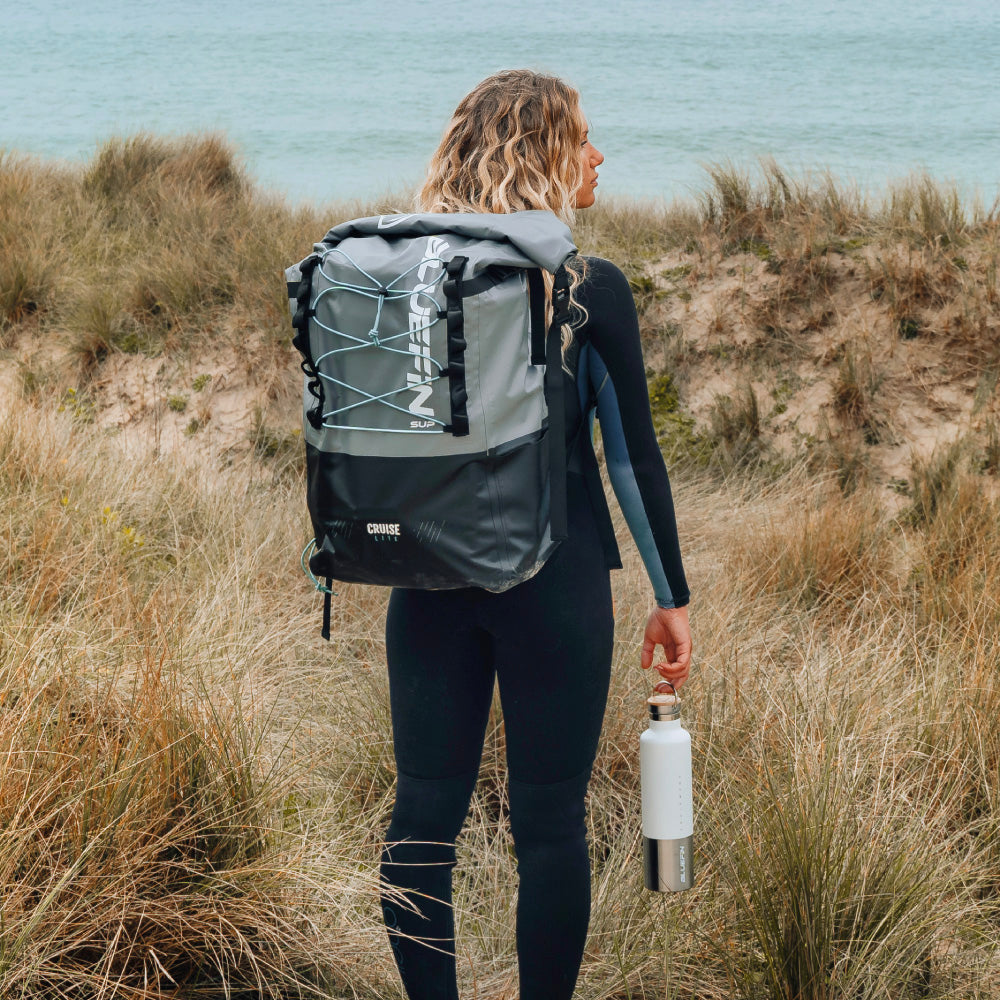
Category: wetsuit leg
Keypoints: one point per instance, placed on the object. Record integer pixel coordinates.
(440, 686)
(553, 670)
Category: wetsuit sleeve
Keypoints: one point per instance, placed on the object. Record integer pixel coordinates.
(635, 462)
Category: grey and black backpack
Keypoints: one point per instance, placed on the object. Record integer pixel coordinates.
(433, 411)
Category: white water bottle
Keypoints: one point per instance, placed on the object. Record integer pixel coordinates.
(667, 808)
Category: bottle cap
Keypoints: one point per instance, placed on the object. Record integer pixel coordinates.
(663, 705)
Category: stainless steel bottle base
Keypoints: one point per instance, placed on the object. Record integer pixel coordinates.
(668, 864)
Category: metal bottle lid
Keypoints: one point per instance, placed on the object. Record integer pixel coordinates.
(664, 706)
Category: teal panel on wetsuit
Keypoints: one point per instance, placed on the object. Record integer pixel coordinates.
(594, 383)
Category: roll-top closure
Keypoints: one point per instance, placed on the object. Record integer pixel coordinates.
(517, 239)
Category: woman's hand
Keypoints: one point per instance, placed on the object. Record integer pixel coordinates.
(668, 627)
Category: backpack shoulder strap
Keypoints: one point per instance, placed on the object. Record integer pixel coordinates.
(554, 387)
(536, 298)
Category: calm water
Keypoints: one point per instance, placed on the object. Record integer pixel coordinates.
(336, 99)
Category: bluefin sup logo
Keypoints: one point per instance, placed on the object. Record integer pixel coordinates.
(422, 309)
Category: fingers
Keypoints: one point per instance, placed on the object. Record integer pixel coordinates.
(668, 628)
(681, 654)
(677, 663)
(677, 675)
(648, 648)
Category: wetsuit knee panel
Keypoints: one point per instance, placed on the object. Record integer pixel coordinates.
(430, 809)
(548, 813)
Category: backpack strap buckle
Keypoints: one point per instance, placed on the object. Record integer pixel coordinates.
(560, 296)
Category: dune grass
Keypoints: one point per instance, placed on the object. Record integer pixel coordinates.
(193, 786)
(155, 244)
(149, 790)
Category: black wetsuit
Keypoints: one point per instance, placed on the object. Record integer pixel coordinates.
(548, 644)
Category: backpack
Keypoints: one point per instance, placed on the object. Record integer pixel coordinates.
(432, 406)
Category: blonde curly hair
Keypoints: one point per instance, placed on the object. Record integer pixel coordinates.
(513, 144)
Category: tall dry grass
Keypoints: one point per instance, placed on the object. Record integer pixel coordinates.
(153, 775)
(842, 753)
(206, 782)
(149, 247)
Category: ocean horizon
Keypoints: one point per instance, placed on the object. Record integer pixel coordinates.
(348, 101)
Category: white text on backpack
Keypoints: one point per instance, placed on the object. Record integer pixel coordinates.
(421, 305)
(383, 529)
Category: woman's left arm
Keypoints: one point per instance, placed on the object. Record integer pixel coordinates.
(635, 462)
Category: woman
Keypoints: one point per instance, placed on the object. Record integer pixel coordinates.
(519, 141)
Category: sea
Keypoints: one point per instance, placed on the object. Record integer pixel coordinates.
(326, 101)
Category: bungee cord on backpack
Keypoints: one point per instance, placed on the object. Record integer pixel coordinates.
(377, 340)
